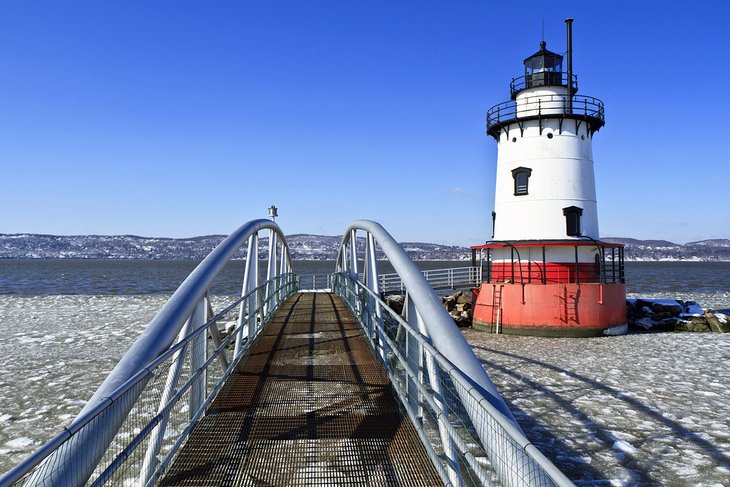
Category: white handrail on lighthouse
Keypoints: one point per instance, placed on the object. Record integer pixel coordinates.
(180, 327)
(437, 350)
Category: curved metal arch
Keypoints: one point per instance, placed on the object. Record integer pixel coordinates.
(159, 335)
(444, 333)
(156, 339)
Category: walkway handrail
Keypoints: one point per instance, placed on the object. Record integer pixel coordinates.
(505, 427)
(159, 335)
(69, 460)
(439, 325)
(427, 314)
(451, 278)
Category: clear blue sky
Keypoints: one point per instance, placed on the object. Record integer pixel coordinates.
(189, 118)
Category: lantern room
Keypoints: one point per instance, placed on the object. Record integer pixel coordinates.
(544, 68)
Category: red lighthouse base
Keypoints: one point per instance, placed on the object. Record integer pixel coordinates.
(552, 309)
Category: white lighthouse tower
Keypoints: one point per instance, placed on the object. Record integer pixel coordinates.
(545, 271)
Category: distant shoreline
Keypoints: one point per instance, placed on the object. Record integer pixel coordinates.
(306, 248)
(196, 259)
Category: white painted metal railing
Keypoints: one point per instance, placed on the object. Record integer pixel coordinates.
(134, 423)
(461, 417)
(451, 278)
(312, 282)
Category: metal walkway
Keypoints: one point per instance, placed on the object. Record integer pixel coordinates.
(311, 400)
(309, 405)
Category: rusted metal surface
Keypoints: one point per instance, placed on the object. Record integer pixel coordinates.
(309, 406)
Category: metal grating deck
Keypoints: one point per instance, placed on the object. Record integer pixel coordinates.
(309, 406)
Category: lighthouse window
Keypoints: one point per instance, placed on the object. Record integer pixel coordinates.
(572, 220)
(521, 176)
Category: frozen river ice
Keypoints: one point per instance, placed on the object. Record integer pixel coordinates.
(632, 410)
(55, 352)
(645, 409)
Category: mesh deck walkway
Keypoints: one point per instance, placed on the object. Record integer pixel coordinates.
(309, 406)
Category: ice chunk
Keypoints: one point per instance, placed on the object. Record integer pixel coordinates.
(707, 393)
(625, 447)
(19, 443)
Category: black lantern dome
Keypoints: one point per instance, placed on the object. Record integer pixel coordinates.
(544, 68)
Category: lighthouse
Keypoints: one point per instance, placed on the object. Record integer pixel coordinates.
(545, 270)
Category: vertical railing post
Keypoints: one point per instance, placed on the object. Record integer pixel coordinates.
(373, 285)
(489, 266)
(416, 322)
(158, 433)
(512, 262)
(343, 260)
(361, 305)
(544, 269)
(270, 274)
(353, 254)
(254, 300)
(613, 264)
(250, 282)
(198, 356)
(414, 354)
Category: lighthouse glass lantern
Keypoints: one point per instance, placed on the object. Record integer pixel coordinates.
(544, 68)
(545, 271)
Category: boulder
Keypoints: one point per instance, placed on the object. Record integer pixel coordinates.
(669, 324)
(643, 303)
(395, 302)
(673, 308)
(683, 326)
(461, 319)
(697, 324)
(701, 327)
(662, 316)
(717, 325)
(645, 322)
(463, 297)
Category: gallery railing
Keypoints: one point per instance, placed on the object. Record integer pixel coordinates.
(543, 106)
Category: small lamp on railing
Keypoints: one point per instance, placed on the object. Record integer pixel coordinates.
(273, 213)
